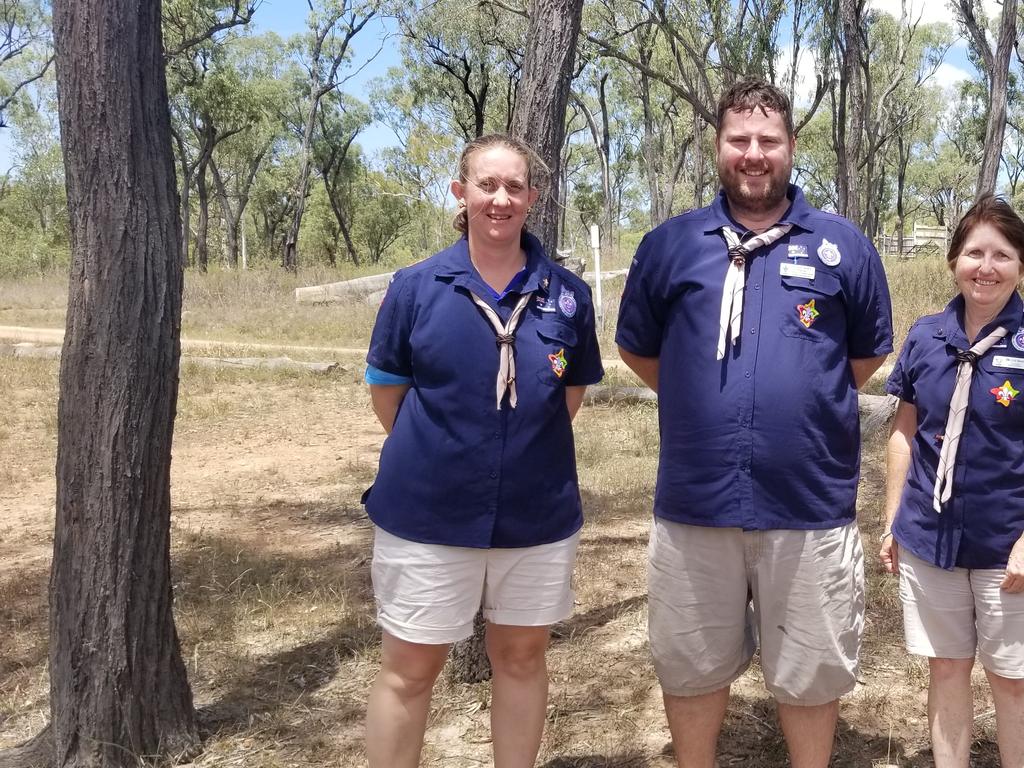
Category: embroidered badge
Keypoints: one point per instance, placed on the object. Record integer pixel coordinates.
(1005, 394)
(795, 252)
(829, 254)
(807, 313)
(545, 304)
(567, 303)
(1018, 340)
(558, 362)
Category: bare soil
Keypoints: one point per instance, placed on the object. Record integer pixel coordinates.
(271, 554)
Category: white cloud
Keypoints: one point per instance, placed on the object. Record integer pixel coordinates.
(805, 74)
(929, 11)
(949, 75)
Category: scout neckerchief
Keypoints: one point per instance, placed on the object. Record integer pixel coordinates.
(732, 292)
(966, 360)
(506, 338)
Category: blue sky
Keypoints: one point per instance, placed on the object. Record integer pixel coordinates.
(372, 59)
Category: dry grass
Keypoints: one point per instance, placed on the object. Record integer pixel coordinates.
(271, 553)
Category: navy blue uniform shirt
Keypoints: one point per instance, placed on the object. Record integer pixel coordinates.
(456, 470)
(768, 437)
(985, 516)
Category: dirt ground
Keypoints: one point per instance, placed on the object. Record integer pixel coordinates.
(271, 554)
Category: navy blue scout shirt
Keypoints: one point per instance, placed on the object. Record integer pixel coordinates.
(985, 516)
(768, 437)
(455, 470)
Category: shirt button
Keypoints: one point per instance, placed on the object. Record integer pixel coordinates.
(494, 475)
(752, 330)
(757, 286)
(747, 374)
(497, 435)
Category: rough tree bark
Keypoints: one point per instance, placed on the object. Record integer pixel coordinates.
(118, 687)
(997, 69)
(850, 117)
(539, 115)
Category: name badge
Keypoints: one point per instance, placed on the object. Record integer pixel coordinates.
(1002, 361)
(796, 270)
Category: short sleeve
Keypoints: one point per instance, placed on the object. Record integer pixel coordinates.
(390, 350)
(643, 307)
(900, 382)
(869, 313)
(588, 368)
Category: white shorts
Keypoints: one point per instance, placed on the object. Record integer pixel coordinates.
(950, 614)
(715, 592)
(430, 593)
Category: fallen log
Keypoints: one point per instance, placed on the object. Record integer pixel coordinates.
(346, 290)
(875, 410)
(30, 350)
(265, 363)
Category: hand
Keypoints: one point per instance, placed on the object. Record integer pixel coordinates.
(889, 554)
(1014, 579)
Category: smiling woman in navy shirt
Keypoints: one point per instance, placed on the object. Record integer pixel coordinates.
(955, 489)
(477, 365)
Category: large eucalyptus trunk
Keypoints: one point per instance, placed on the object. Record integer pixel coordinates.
(118, 688)
(539, 115)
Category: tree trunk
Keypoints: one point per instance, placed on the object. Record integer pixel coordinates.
(203, 225)
(851, 111)
(539, 116)
(118, 687)
(995, 126)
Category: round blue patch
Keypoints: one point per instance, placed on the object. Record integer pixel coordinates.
(1018, 340)
(567, 303)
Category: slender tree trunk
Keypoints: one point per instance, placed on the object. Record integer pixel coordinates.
(118, 688)
(203, 225)
(539, 116)
(290, 259)
(851, 111)
(995, 125)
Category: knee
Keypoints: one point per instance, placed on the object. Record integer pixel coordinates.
(1007, 687)
(411, 675)
(519, 659)
(943, 670)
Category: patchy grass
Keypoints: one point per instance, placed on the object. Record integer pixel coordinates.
(271, 560)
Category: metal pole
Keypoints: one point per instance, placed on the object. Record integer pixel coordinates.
(595, 244)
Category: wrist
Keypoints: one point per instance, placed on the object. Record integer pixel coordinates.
(885, 536)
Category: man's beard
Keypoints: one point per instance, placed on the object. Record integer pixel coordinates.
(762, 198)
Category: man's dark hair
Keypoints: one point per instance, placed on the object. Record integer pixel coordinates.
(748, 95)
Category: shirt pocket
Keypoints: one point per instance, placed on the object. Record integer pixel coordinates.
(557, 345)
(999, 398)
(812, 309)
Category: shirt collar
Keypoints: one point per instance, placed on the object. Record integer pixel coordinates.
(454, 262)
(952, 326)
(798, 214)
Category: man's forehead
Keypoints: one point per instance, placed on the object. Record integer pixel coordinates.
(747, 118)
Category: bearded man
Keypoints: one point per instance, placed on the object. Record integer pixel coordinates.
(756, 320)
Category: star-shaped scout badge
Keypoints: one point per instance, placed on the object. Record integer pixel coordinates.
(1005, 394)
(558, 362)
(807, 313)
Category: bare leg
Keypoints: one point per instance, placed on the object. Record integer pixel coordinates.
(950, 711)
(695, 722)
(396, 714)
(519, 692)
(809, 732)
(1009, 699)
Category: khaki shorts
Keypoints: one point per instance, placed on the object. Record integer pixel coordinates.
(430, 593)
(714, 591)
(950, 614)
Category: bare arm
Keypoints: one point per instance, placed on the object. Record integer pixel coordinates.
(386, 398)
(574, 399)
(897, 464)
(864, 367)
(644, 367)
